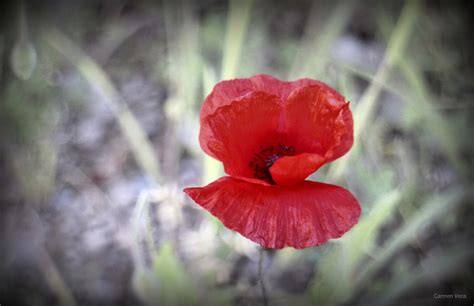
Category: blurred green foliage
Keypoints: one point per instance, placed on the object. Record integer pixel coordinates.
(390, 168)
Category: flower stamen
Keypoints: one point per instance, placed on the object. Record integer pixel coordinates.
(262, 160)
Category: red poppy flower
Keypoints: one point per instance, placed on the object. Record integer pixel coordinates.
(271, 135)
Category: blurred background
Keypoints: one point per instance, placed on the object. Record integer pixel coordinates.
(99, 108)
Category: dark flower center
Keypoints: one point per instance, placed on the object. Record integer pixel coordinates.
(267, 155)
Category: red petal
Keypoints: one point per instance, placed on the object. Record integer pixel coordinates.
(290, 170)
(318, 120)
(233, 132)
(279, 88)
(225, 92)
(298, 216)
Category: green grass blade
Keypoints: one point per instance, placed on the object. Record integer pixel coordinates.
(237, 24)
(212, 169)
(55, 281)
(436, 124)
(441, 266)
(97, 78)
(317, 43)
(361, 239)
(334, 282)
(367, 104)
(431, 212)
(421, 103)
(175, 285)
